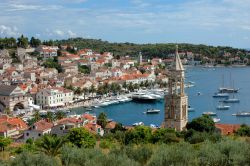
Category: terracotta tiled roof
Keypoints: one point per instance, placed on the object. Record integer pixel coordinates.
(43, 125)
(88, 116)
(227, 129)
(69, 120)
(7, 123)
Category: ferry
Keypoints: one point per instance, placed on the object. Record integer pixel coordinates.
(209, 113)
(242, 114)
(152, 111)
(221, 95)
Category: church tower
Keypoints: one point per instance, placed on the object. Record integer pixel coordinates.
(140, 58)
(176, 101)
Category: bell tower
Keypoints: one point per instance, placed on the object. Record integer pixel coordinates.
(176, 101)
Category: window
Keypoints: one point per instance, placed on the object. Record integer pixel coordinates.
(27, 134)
(39, 135)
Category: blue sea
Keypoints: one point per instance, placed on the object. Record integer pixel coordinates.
(207, 81)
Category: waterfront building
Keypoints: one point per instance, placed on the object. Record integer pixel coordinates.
(176, 101)
(54, 97)
(12, 97)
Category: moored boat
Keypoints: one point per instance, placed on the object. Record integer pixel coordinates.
(232, 100)
(228, 90)
(242, 114)
(190, 109)
(216, 120)
(221, 95)
(142, 97)
(223, 107)
(152, 111)
(138, 124)
(209, 113)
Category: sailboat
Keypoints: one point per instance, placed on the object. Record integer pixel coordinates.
(232, 100)
(222, 107)
(224, 89)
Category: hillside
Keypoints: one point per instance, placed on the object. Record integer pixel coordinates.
(150, 50)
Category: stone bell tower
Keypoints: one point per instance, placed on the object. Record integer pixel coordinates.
(176, 101)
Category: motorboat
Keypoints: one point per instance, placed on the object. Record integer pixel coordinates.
(216, 120)
(242, 114)
(152, 111)
(199, 93)
(138, 124)
(221, 95)
(209, 113)
(232, 100)
(223, 107)
(190, 109)
(154, 126)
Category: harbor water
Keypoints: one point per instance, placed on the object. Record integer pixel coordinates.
(206, 81)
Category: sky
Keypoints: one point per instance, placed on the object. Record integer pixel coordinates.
(212, 22)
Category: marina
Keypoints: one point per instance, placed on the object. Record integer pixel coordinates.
(200, 98)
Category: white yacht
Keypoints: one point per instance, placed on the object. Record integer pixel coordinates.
(216, 120)
(242, 114)
(143, 97)
(209, 113)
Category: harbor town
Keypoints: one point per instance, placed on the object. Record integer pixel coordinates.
(42, 85)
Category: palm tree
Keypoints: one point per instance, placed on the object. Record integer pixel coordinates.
(92, 89)
(50, 116)
(124, 85)
(85, 90)
(37, 116)
(51, 145)
(60, 115)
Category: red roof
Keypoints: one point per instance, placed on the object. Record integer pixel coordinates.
(88, 116)
(69, 120)
(227, 129)
(7, 123)
(43, 125)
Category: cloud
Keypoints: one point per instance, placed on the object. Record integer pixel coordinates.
(8, 31)
(71, 34)
(59, 32)
(28, 7)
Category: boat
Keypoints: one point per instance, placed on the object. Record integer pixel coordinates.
(142, 97)
(242, 114)
(190, 109)
(232, 100)
(209, 113)
(199, 93)
(228, 90)
(152, 111)
(221, 95)
(223, 107)
(216, 120)
(154, 126)
(224, 89)
(138, 124)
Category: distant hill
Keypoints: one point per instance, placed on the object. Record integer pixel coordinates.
(148, 50)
